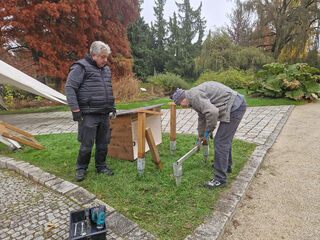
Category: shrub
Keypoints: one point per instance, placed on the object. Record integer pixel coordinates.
(232, 78)
(251, 58)
(169, 82)
(12, 95)
(125, 89)
(297, 81)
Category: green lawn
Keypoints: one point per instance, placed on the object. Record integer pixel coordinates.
(268, 101)
(152, 200)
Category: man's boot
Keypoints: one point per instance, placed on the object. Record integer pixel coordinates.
(80, 175)
(105, 170)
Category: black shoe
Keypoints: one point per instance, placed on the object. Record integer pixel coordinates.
(80, 175)
(106, 170)
(214, 183)
(229, 170)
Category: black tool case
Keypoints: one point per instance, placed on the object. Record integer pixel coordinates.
(83, 228)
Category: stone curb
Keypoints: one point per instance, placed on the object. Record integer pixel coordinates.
(226, 206)
(118, 223)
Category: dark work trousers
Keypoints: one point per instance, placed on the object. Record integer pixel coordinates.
(223, 143)
(92, 129)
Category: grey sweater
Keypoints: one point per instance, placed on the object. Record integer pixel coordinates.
(213, 102)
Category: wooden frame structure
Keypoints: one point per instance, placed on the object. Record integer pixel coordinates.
(177, 166)
(128, 133)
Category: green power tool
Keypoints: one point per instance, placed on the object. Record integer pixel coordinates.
(98, 216)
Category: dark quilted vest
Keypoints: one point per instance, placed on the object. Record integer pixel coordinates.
(95, 93)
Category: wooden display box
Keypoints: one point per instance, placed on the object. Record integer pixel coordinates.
(124, 134)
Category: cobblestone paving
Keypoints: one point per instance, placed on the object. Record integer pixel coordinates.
(42, 123)
(26, 209)
(256, 126)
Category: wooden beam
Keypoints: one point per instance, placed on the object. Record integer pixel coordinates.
(141, 135)
(148, 111)
(173, 121)
(153, 149)
(17, 130)
(28, 138)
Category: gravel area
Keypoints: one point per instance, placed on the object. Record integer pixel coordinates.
(282, 202)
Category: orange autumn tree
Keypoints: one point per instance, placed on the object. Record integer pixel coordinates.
(57, 33)
(116, 15)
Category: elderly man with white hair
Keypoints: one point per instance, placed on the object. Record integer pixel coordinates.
(90, 97)
(215, 102)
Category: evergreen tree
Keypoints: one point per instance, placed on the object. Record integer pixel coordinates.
(140, 37)
(174, 47)
(159, 32)
(191, 24)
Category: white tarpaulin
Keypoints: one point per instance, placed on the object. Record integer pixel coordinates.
(12, 76)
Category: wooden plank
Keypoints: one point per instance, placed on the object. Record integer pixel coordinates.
(3, 129)
(148, 111)
(121, 138)
(29, 143)
(17, 130)
(153, 149)
(133, 111)
(141, 135)
(173, 122)
(28, 138)
(124, 152)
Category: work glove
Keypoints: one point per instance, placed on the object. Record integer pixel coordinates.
(113, 114)
(207, 134)
(77, 116)
(199, 140)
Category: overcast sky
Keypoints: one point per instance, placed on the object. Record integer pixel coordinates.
(214, 11)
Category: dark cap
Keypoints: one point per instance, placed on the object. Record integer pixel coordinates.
(178, 96)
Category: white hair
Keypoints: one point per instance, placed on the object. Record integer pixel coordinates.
(97, 47)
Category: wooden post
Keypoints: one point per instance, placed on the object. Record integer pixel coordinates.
(141, 135)
(173, 123)
(141, 142)
(153, 149)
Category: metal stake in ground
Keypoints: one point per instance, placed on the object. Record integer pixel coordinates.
(205, 150)
(177, 166)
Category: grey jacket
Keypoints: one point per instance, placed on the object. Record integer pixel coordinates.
(213, 102)
(89, 88)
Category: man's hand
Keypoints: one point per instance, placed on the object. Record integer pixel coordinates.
(199, 142)
(113, 114)
(207, 135)
(77, 115)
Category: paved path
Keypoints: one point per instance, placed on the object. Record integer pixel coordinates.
(52, 203)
